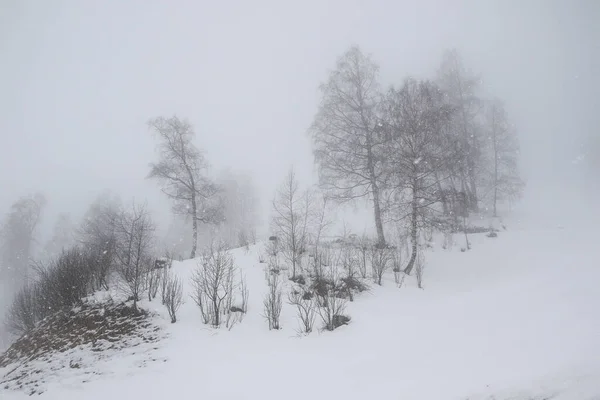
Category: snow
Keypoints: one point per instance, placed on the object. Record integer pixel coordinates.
(516, 317)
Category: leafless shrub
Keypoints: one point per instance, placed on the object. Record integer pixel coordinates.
(24, 313)
(101, 263)
(305, 305)
(262, 257)
(332, 312)
(348, 260)
(330, 300)
(448, 240)
(363, 247)
(273, 303)
(154, 276)
(419, 270)
(349, 285)
(135, 231)
(380, 262)
(396, 260)
(173, 295)
(63, 282)
(213, 285)
(235, 311)
(163, 286)
(315, 264)
(299, 279)
(97, 236)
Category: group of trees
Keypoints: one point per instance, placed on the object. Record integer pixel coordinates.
(117, 245)
(425, 153)
(113, 247)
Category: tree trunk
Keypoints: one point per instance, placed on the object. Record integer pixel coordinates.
(495, 162)
(194, 227)
(413, 234)
(443, 197)
(473, 191)
(378, 221)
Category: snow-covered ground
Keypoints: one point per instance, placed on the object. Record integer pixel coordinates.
(517, 317)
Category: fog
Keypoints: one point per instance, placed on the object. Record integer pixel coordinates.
(79, 80)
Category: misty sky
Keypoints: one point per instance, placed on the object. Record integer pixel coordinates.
(79, 80)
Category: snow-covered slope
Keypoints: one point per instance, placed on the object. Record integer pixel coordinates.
(517, 317)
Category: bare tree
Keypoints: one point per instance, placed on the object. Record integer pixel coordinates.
(416, 115)
(62, 237)
(241, 208)
(460, 87)
(97, 235)
(18, 240)
(322, 222)
(181, 171)
(17, 247)
(173, 296)
(213, 284)
(135, 233)
(289, 223)
(177, 240)
(346, 134)
(504, 180)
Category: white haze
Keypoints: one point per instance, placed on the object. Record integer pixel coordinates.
(79, 80)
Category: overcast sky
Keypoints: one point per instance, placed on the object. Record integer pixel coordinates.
(79, 80)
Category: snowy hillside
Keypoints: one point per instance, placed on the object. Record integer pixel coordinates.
(514, 318)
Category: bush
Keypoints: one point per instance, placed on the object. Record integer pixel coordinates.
(350, 285)
(213, 285)
(305, 308)
(299, 279)
(262, 258)
(62, 283)
(321, 286)
(331, 311)
(24, 313)
(155, 277)
(380, 262)
(173, 296)
(339, 320)
(273, 303)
